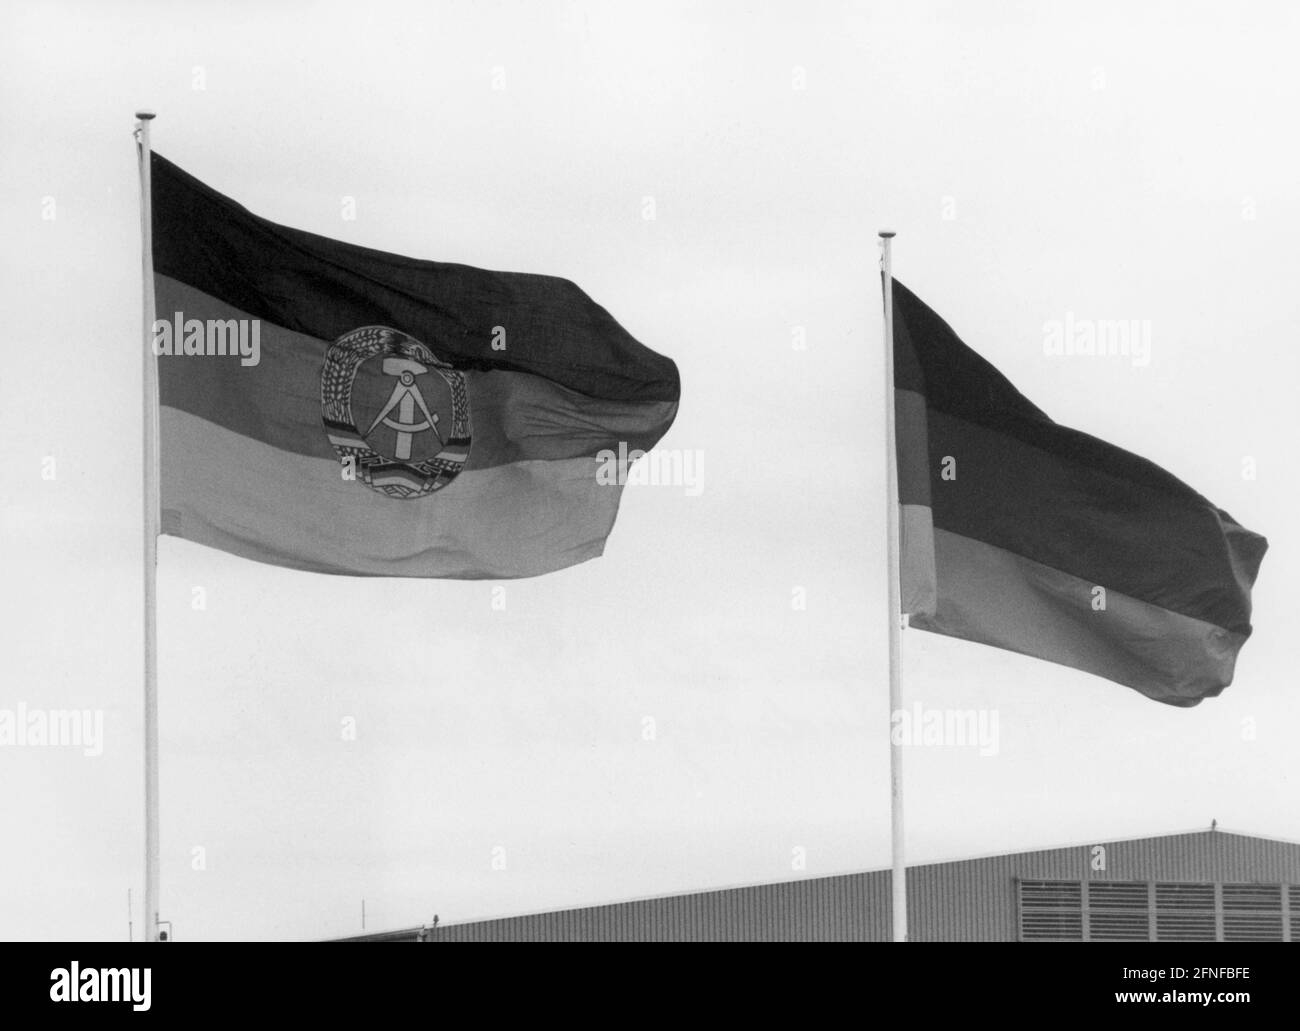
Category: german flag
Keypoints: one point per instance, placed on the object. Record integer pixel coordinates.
(333, 408)
(1043, 540)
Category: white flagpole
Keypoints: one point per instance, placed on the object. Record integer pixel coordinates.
(152, 861)
(898, 877)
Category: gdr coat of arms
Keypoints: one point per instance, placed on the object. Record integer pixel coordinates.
(406, 424)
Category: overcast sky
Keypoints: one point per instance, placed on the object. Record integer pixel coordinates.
(665, 718)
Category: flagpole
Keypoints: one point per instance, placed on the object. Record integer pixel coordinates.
(898, 877)
(152, 852)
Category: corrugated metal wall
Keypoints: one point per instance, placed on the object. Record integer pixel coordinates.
(827, 909)
(971, 900)
(974, 900)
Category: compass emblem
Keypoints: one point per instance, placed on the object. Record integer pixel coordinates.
(413, 446)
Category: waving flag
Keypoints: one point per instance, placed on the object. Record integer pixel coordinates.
(328, 407)
(1020, 533)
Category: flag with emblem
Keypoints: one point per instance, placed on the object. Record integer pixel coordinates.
(1023, 534)
(328, 407)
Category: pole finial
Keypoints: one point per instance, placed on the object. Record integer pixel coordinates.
(887, 234)
(145, 115)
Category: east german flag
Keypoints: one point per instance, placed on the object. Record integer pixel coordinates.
(1029, 536)
(332, 408)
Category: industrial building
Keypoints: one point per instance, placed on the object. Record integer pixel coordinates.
(1207, 885)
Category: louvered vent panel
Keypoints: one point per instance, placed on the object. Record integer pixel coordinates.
(1051, 911)
(1117, 894)
(1252, 927)
(1252, 896)
(1106, 926)
(1117, 911)
(1185, 913)
(1185, 896)
(1185, 927)
(1051, 893)
(1252, 912)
